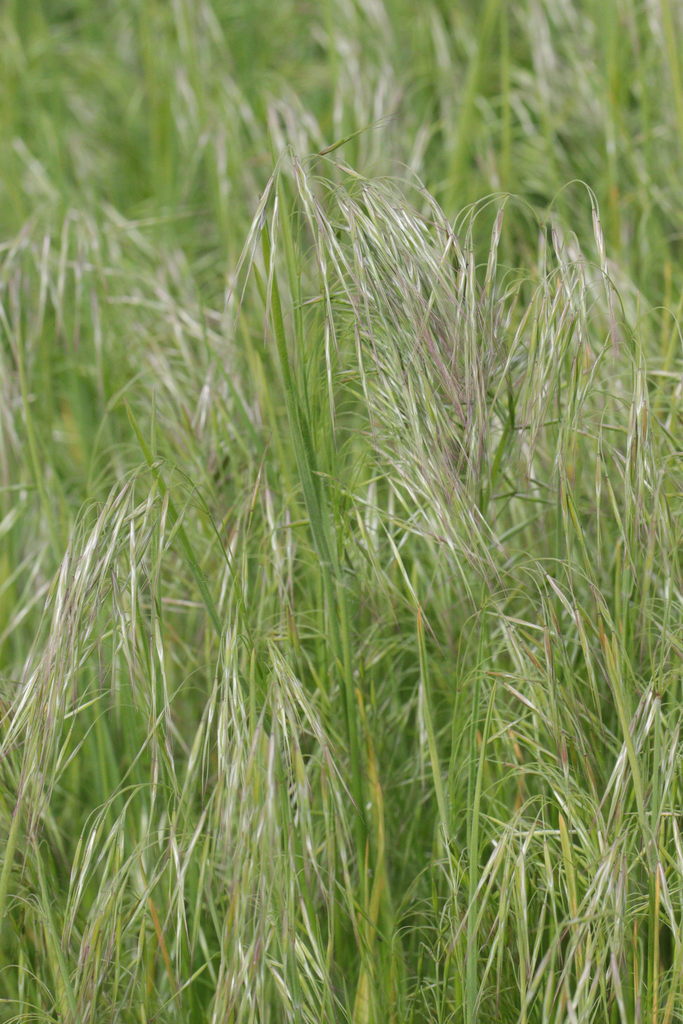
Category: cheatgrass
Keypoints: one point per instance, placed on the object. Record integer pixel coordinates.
(340, 512)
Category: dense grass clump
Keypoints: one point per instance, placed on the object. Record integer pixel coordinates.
(340, 512)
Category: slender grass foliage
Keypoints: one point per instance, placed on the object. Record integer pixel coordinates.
(340, 512)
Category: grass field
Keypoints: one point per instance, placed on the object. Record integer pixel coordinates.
(340, 512)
